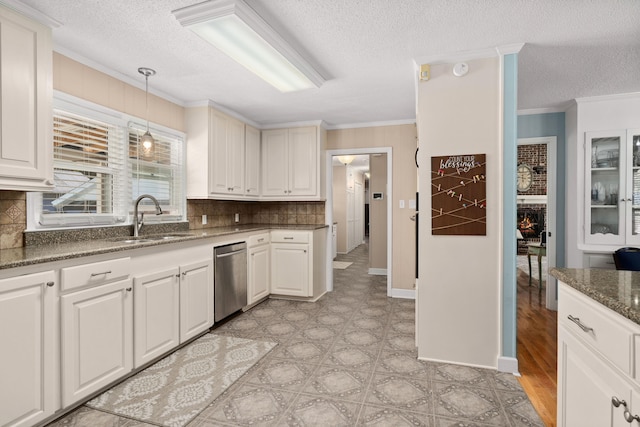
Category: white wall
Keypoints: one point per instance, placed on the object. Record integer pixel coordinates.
(459, 298)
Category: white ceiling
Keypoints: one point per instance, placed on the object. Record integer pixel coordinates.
(573, 48)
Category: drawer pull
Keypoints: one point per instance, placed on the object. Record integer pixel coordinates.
(129, 289)
(288, 238)
(50, 284)
(630, 418)
(617, 402)
(261, 240)
(577, 321)
(101, 274)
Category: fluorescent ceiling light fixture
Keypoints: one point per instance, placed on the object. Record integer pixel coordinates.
(238, 31)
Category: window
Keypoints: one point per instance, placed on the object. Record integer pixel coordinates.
(99, 171)
(157, 171)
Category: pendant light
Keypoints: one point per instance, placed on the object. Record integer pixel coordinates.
(147, 140)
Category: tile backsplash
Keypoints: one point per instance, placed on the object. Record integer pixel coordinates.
(220, 213)
(13, 218)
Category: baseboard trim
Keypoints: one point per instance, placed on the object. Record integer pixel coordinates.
(508, 364)
(378, 271)
(403, 293)
(473, 365)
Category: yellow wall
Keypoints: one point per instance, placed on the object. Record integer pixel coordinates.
(402, 140)
(76, 79)
(460, 276)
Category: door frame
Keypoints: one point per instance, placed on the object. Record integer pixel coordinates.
(552, 163)
(328, 211)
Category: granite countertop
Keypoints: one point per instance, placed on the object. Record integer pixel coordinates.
(616, 289)
(36, 254)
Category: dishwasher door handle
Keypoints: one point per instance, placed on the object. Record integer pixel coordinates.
(226, 254)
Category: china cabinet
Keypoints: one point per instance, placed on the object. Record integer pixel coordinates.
(612, 187)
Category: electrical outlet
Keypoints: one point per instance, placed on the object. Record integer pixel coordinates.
(237, 217)
(401, 204)
(204, 219)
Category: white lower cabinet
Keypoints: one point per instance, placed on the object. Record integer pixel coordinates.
(196, 298)
(97, 338)
(595, 367)
(259, 268)
(290, 269)
(171, 307)
(156, 315)
(27, 363)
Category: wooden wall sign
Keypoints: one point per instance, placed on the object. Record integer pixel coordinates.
(458, 195)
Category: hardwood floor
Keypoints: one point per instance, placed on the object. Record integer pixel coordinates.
(537, 348)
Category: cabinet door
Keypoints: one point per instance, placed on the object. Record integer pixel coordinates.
(218, 161)
(196, 299)
(252, 161)
(156, 315)
(235, 156)
(290, 269)
(97, 338)
(258, 274)
(26, 151)
(27, 362)
(303, 161)
(632, 195)
(586, 386)
(275, 170)
(605, 188)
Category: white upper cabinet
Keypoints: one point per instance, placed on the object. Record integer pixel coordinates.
(215, 155)
(26, 152)
(252, 161)
(227, 155)
(291, 163)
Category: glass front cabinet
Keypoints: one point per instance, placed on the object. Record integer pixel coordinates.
(612, 187)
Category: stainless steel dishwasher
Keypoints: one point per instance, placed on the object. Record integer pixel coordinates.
(230, 278)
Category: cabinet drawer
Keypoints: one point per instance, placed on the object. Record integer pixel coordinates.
(603, 331)
(281, 236)
(94, 273)
(599, 261)
(258, 239)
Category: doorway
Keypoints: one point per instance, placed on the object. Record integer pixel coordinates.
(387, 186)
(536, 209)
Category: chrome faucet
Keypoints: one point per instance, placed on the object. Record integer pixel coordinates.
(138, 223)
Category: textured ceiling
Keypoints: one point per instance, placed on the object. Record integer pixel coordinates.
(573, 48)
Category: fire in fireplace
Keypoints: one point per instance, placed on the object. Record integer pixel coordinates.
(530, 222)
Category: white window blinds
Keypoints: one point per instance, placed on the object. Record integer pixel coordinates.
(89, 162)
(157, 170)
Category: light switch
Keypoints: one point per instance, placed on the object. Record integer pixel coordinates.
(204, 219)
(401, 204)
(412, 204)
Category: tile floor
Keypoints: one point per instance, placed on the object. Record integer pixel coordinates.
(349, 359)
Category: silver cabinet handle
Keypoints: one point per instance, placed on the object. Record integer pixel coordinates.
(101, 274)
(184, 273)
(630, 418)
(178, 275)
(261, 240)
(288, 238)
(617, 402)
(129, 289)
(50, 284)
(581, 325)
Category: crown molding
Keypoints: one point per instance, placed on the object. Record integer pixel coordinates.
(469, 55)
(31, 13)
(614, 97)
(372, 124)
(548, 110)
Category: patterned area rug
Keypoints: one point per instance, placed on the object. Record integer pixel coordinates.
(341, 265)
(177, 388)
